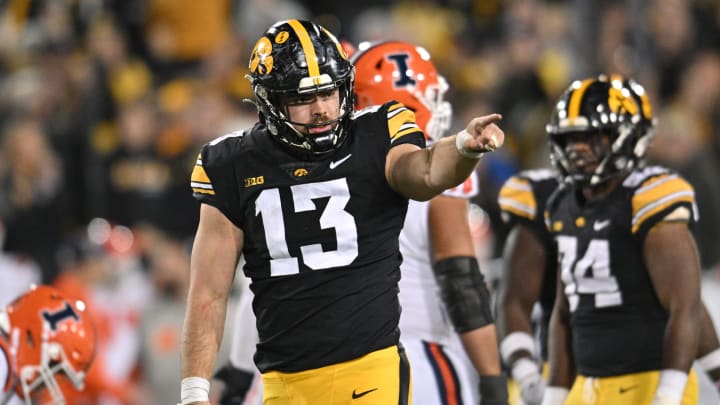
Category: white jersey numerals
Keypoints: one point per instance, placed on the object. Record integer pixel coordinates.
(334, 216)
(590, 274)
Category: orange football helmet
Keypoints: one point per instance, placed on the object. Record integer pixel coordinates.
(401, 71)
(49, 337)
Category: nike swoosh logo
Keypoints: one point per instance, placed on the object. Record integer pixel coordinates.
(624, 390)
(337, 163)
(356, 395)
(600, 225)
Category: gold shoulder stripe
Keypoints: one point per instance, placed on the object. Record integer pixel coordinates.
(307, 46)
(401, 121)
(658, 194)
(199, 180)
(516, 197)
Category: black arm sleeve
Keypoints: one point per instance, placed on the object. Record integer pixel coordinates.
(463, 289)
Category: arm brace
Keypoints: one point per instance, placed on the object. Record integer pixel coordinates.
(463, 289)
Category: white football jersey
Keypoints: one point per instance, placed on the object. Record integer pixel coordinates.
(423, 313)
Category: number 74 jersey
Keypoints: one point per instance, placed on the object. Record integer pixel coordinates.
(617, 321)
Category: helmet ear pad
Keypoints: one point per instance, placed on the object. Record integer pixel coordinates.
(300, 58)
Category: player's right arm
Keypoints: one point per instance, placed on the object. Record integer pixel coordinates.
(464, 292)
(421, 174)
(562, 370)
(524, 261)
(218, 243)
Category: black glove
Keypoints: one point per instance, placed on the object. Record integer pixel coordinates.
(236, 384)
(493, 390)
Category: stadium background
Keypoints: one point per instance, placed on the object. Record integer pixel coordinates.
(104, 105)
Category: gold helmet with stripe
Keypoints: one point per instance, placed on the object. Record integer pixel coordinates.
(612, 106)
(300, 58)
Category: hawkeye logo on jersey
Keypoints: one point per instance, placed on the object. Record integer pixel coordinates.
(301, 172)
(254, 181)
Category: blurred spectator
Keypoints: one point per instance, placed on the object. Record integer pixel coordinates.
(181, 33)
(684, 142)
(142, 180)
(32, 200)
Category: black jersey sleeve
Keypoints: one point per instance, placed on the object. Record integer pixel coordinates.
(665, 197)
(522, 199)
(402, 127)
(212, 179)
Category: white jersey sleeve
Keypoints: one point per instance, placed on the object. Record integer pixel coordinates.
(244, 335)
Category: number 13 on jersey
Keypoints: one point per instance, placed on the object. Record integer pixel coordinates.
(269, 206)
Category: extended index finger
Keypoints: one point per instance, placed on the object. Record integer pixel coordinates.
(482, 122)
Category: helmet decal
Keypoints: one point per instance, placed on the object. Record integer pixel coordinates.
(54, 318)
(261, 60)
(401, 60)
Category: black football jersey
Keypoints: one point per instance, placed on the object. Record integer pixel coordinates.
(320, 237)
(522, 200)
(617, 321)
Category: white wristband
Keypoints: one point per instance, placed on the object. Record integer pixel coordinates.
(555, 395)
(523, 368)
(514, 342)
(672, 384)
(460, 140)
(710, 361)
(194, 389)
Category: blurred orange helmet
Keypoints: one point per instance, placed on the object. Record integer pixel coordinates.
(401, 71)
(49, 336)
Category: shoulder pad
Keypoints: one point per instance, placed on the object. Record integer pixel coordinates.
(637, 177)
(400, 120)
(516, 197)
(658, 195)
(215, 152)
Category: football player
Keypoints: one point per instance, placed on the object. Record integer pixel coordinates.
(626, 318)
(46, 344)
(528, 283)
(314, 197)
(436, 235)
(526, 291)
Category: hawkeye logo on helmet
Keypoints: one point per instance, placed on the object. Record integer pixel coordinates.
(617, 101)
(261, 60)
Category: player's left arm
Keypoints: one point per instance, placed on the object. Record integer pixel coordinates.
(421, 174)
(465, 294)
(673, 263)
